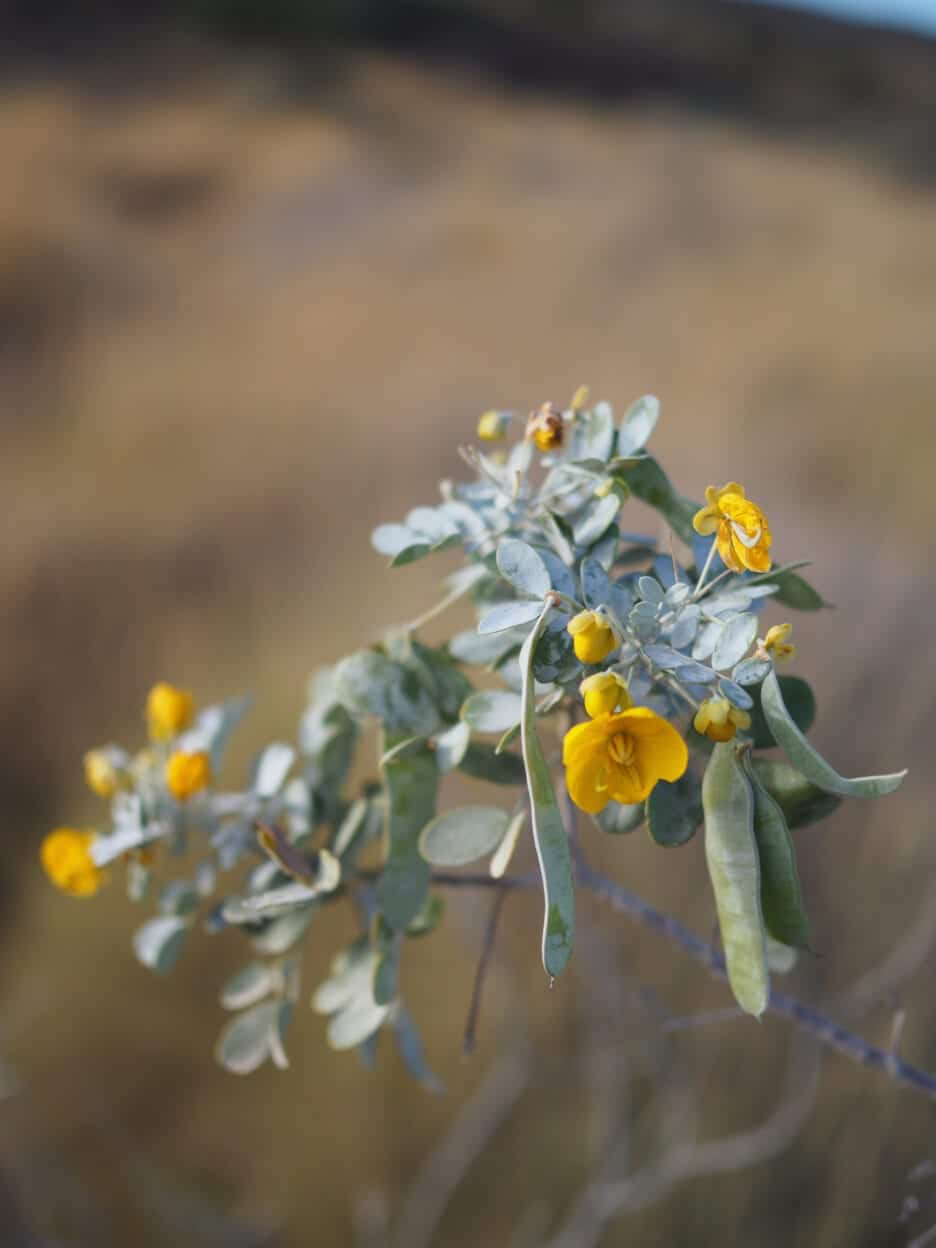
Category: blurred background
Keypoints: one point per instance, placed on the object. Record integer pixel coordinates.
(262, 265)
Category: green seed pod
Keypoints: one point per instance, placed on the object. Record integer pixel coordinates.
(781, 896)
(731, 855)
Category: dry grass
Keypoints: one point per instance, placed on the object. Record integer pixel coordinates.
(235, 334)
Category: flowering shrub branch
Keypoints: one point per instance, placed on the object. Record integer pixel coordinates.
(648, 666)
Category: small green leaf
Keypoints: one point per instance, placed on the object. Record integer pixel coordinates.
(508, 615)
(549, 834)
(618, 819)
(674, 811)
(411, 785)
(595, 520)
(801, 801)
(273, 767)
(731, 856)
(650, 483)
(781, 896)
(282, 933)
(523, 568)
(486, 764)
(463, 835)
(356, 1022)
(248, 1040)
(450, 746)
(158, 942)
(795, 591)
(735, 640)
(492, 711)
(638, 424)
(804, 757)
(247, 986)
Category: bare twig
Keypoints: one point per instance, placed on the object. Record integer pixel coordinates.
(487, 948)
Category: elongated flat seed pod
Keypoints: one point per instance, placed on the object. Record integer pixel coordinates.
(731, 855)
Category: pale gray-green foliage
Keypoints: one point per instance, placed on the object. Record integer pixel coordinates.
(543, 537)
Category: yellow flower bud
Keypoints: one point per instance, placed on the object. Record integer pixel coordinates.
(718, 720)
(604, 693)
(168, 711)
(187, 774)
(580, 399)
(776, 642)
(103, 775)
(592, 636)
(65, 855)
(492, 426)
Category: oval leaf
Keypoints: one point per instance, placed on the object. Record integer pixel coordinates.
(731, 856)
(247, 986)
(492, 711)
(638, 424)
(674, 811)
(158, 943)
(248, 1040)
(450, 746)
(508, 615)
(802, 755)
(521, 565)
(463, 835)
(734, 642)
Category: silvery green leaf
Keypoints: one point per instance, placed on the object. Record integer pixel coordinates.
(650, 590)
(650, 483)
(605, 550)
(683, 631)
(410, 1048)
(463, 835)
(795, 591)
(263, 876)
(808, 760)
(520, 457)
(252, 1038)
(751, 671)
(508, 615)
(674, 811)
(273, 767)
(593, 435)
(213, 728)
(707, 639)
(178, 897)
(492, 711)
(549, 834)
(727, 602)
(411, 785)
(734, 642)
(283, 932)
(692, 673)
(554, 657)
(557, 532)
(618, 818)
(523, 568)
(432, 523)
(352, 972)
(247, 986)
(676, 595)
(665, 657)
(272, 904)
(595, 519)
(599, 590)
(451, 745)
(645, 627)
(735, 694)
(638, 424)
(369, 683)
(800, 703)
(394, 539)
(481, 649)
(358, 1020)
(731, 857)
(158, 943)
(505, 850)
(560, 576)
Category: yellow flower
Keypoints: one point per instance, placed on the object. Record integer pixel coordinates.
(580, 399)
(102, 772)
(492, 426)
(742, 532)
(621, 758)
(187, 774)
(65, 855)
(545, 427)
(168, 711)
(718, 720)
(776, 641)
(605, 692)
(592, 636)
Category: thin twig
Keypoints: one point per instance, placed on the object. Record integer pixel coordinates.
(487, 948)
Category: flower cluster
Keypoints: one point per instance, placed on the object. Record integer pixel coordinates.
(646, 659)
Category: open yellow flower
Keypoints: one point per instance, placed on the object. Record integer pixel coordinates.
(65, 855)
(718, 720)
(776, 643)
(592, 636)
(742, 533)
(621, 757)
(492, 426)
(187, 774)
(168, 711)
(604, 693)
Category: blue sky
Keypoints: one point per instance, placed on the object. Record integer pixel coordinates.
(912, 14)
